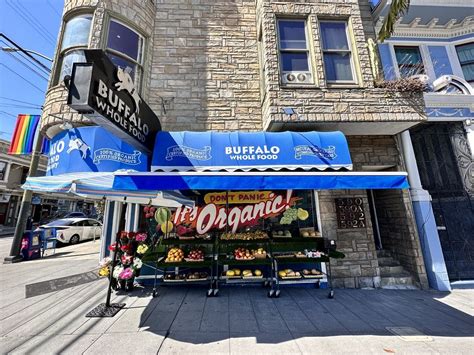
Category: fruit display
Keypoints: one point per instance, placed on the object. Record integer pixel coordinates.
(305, 233)
(292, 214)
(174, 255)
(282, 234)
(259, 253)
(232, 273)
(289, 274)
(247, 273)
(313, 273)
(195, 255)
(183, 231)
(196, 276)
(256, 235)
(243, 254)
(174, 277)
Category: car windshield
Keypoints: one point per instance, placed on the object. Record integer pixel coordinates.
(60, 222)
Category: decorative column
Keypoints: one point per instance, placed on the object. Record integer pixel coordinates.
(469, 127)
(113, 210)
(425, 220)
(131, 217)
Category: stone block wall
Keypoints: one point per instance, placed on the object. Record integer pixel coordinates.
(360, 266)
(321, 101)
(204, 74)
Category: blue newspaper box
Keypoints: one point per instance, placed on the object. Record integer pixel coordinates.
(31, 245)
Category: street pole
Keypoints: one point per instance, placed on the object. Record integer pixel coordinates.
(25, 205)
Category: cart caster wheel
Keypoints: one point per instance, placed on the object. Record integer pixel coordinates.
(210, 293)
(271, 293)
(277, 294)
(154, 293)
(331, 294)
(216, 292)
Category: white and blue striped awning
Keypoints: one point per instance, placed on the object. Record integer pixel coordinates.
(100, 184)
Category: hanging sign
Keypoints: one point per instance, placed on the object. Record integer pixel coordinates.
(236, 197)
(218, 216)
(107, 95)
(350, 213)
(92, 149)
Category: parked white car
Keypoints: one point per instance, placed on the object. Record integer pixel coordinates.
(74, 230)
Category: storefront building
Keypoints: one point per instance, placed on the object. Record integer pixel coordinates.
(263, 66)
(437, 42)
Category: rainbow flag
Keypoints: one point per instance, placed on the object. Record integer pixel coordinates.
(24, 134)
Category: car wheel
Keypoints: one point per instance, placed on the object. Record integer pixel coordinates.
(74, 239)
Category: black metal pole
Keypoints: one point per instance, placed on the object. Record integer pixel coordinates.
(111, 275)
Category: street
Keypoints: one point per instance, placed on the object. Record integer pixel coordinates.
(239, 321)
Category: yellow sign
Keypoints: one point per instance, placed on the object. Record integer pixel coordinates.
(238, 197)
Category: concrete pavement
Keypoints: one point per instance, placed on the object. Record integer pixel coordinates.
(239, 321)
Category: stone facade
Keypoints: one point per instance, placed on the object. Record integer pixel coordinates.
(322, 102)
(201, 71)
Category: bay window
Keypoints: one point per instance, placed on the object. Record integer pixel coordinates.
(466, 59)
(294, 52)
(75, 39)
(125, 49)
(409, 61)
(337, 54)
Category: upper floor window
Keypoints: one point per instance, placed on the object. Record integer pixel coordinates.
(337, 54)
(75, 40)
(466, 59)
(409, 61)
(3, 170)
(125, 48)
(294, 52)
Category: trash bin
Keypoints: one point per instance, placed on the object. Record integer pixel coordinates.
(31, 245)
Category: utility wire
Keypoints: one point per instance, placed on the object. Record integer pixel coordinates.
(27, 66)
(29, 82)
(22, 56)
(23, 102)
(26, 53)
(37, 21)
(21, 106)
(52, 7)
(30, 22)
(8, 113)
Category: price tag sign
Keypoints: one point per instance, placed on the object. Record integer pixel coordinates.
(350, 213)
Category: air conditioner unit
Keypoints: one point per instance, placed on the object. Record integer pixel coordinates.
(294, 77)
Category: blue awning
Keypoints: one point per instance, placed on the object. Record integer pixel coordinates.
(261, 180)
(244, 151)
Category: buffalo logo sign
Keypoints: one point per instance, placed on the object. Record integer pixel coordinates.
(78, 144)
(125, 82)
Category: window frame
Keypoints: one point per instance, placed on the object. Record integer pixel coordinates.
(423, 64)
(63, 52)
(307, 50)
(471, 82)
(3, 171)
(350, 50)
(139, 62)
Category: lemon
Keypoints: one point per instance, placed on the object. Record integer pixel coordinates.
(302, 214)
(167, 227)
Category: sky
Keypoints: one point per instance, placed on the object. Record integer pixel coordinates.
(33, 25)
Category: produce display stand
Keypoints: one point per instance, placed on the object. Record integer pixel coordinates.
(179, 267)
(226, 248)
(219, 258)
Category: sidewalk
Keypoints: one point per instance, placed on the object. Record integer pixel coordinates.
(239, 321)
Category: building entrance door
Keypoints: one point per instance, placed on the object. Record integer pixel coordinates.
(445, 167)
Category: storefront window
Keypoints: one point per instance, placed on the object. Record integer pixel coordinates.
(74, 41)
(125, 48)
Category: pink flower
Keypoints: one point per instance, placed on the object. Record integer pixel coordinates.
(126, 259)
(141, 237)
(126, 274)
